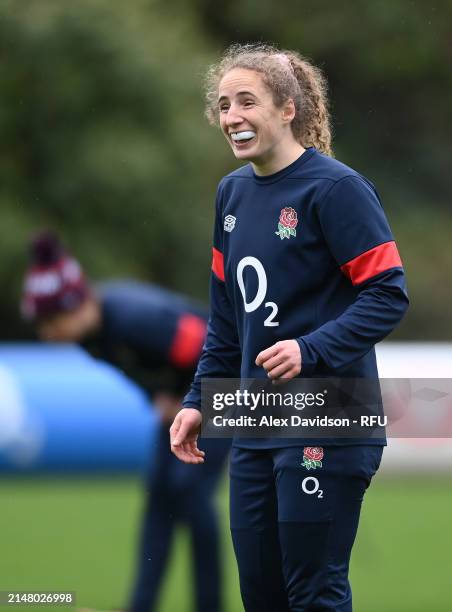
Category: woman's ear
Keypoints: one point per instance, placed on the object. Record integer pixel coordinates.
(288, 111)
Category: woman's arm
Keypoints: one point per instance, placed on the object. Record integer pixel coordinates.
(220, 357)
(358, 235)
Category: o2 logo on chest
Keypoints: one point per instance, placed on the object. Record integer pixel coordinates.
(259, 298)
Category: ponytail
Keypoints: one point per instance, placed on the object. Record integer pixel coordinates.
(311, 125)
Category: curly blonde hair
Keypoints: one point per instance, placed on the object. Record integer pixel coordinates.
(288, 75)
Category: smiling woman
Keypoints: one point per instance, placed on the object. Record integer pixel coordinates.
(294, 292)
(284, 86)
(256, 129)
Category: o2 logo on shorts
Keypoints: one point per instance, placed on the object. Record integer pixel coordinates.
(311, 486)
(261, 290)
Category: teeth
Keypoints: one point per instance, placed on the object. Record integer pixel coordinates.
(242, 135)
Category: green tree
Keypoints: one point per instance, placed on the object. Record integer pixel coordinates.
(103, 139)
(103, 136)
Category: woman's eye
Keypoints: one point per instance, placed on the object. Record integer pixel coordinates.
(224, 109)
(249, 103)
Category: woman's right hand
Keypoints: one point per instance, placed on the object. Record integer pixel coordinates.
(184, 436)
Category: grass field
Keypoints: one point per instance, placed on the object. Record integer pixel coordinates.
(79, 535)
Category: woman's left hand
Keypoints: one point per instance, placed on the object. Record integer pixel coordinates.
(282, 361)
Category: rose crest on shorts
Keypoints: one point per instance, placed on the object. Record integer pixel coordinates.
(312, 457)
(287, 223)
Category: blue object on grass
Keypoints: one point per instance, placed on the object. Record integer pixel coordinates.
(63, 411)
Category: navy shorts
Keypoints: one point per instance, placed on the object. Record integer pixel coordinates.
(294, 515)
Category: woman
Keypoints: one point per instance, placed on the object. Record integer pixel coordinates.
(155, 336)
(306, 278)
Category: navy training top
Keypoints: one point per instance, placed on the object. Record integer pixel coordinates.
(306, 254)
(146, 327)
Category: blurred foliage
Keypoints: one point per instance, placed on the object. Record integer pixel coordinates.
(103, 136)
(103, 139)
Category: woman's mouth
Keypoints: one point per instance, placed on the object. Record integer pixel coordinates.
(239, 138)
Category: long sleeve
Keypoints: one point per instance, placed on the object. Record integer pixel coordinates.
(221, 354)
(359, 238)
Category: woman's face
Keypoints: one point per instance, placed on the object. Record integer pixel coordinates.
(73, 325)
(256, 129)
(61, 327)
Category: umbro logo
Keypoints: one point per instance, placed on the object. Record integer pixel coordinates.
(229, 223)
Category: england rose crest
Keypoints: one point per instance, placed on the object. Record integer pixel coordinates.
(312, 457)
(287, 223)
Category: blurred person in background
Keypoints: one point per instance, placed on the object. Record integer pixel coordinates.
(297, 227)
(155, 336)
